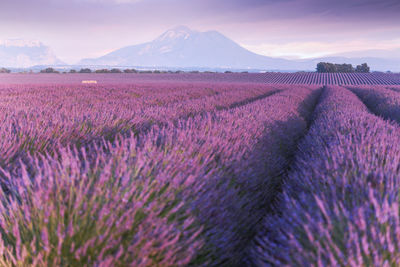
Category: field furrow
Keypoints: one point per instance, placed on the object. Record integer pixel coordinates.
(340, 201)
(37, 124)
(381, 101)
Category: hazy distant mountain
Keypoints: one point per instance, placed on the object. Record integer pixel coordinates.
(26, 53)
(371, 53)
(378, 59)
(183, 47)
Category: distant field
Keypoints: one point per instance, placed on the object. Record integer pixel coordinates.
(270, 78)
(199, 170)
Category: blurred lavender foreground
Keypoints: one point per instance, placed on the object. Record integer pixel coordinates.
(340, 202)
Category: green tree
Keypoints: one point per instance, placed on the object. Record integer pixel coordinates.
(130, 71)
(363, 68)
(115, 70)
(325, 67)
(4, 70)
(102, 71)
(49, 70)
(85, 70)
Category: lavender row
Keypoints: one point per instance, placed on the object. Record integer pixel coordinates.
(188, 193)
(133, 96)
(48, 120)
(261, 140)
(331, 78)
(383, 102)
(340, 203)
(270, 77)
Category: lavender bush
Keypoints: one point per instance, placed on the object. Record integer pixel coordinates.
(66, 211)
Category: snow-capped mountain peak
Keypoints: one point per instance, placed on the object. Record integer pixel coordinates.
(180, 32)
(19, 53)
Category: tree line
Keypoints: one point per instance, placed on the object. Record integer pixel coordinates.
(115, 70)
(322, 67)
(4, 70)
(326, 67)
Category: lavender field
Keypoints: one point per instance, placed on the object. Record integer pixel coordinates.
(200, 170)
(269, 77)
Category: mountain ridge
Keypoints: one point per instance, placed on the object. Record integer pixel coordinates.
(184, 48)
(26, 53)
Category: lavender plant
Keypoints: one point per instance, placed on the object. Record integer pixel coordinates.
(79, 210)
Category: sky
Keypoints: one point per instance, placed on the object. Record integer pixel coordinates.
(77, 29)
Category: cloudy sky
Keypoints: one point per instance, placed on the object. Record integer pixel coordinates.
(293, 28)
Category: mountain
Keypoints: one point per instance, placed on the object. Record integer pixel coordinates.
(182, 47)
(19, 53)
(371, 53)
(377, 59)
